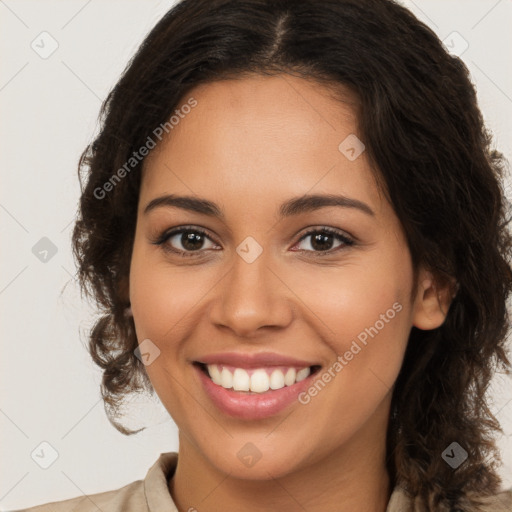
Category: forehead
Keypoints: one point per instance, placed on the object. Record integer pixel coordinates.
(258, 134)
(276, 96)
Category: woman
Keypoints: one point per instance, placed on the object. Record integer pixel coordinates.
(295, 227)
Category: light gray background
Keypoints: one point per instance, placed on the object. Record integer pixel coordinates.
(49, 386)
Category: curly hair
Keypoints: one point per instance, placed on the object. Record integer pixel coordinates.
(431, 156)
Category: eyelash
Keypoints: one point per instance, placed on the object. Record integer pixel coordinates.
(166, 235)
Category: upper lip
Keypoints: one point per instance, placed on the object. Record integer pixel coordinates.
(257, 360)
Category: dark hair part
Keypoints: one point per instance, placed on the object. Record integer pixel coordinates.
(426, 139)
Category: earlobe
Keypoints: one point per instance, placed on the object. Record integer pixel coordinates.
(432, 302)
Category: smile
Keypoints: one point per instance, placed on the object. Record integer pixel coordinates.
(258, 380)
(253, 388)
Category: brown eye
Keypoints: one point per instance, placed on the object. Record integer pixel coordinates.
(323, 240)
(186, 241)
(190, 240)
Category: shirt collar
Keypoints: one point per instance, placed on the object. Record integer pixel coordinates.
(156, 490)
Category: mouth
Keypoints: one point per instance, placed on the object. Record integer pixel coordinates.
(254, 393)
(256, 380)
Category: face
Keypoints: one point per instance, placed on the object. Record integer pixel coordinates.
(307, 298)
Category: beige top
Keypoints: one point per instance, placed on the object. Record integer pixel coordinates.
(152, 495)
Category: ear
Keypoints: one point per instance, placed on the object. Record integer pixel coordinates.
(433, 299)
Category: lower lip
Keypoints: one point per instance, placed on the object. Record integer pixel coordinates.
(252, 406)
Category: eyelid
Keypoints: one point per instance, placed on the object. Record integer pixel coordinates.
(167, 234)
(347, 240)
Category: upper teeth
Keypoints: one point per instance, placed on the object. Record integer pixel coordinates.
(258, 380)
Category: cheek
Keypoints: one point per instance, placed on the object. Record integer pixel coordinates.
(160, 297)
(345, 302)
(371, 341)
(362, 312)
(366, 324)
(160, 301)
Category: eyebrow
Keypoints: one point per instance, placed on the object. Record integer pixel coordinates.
(294, 206)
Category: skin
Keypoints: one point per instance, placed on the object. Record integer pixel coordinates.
(249, 145)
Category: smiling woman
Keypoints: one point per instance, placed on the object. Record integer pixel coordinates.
(310, 269)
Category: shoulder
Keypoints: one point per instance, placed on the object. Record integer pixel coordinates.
(148, 495)
(129, 497)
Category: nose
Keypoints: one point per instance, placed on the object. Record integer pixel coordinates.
(251, 297)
